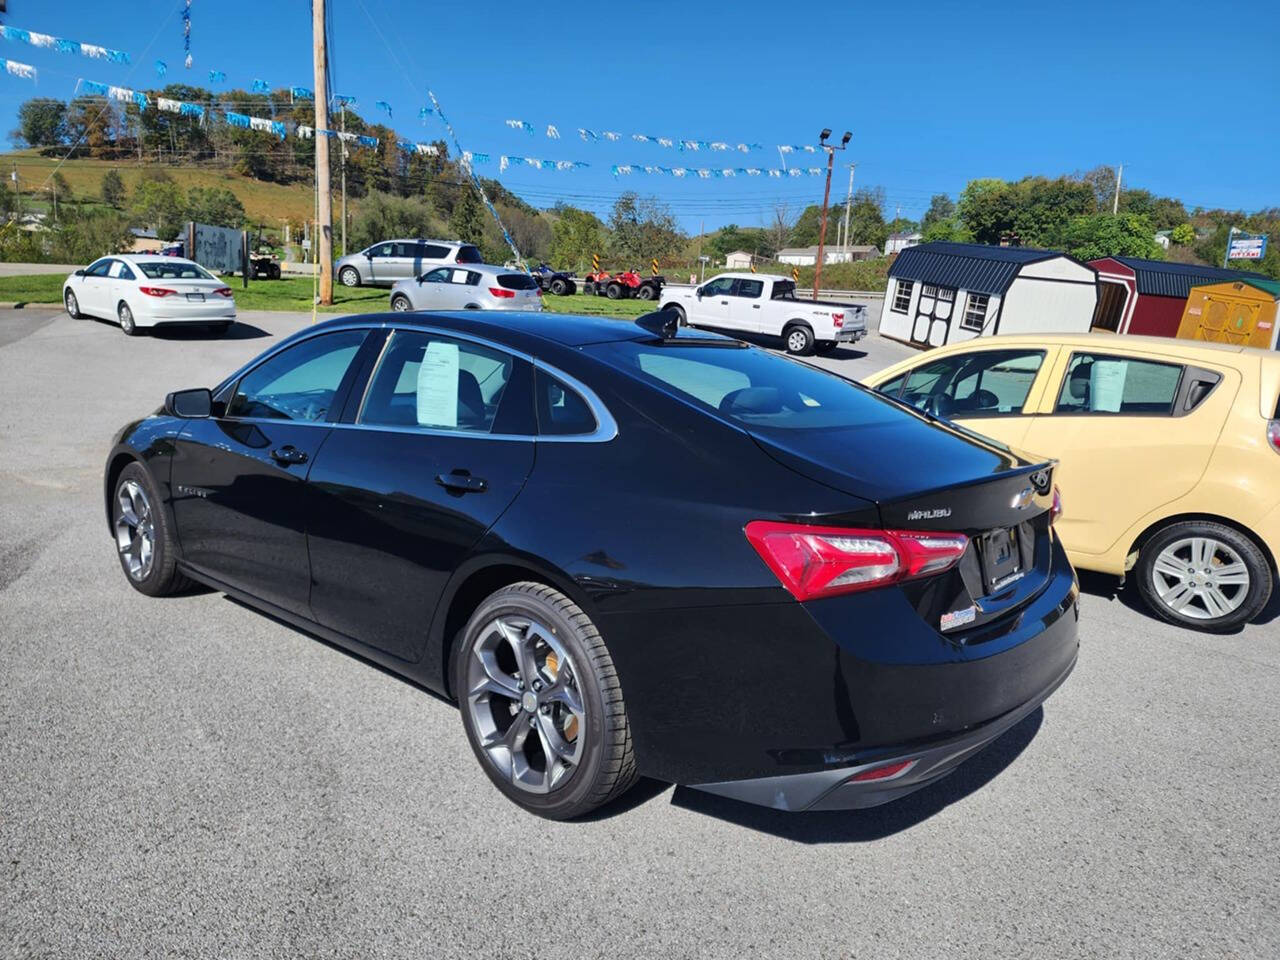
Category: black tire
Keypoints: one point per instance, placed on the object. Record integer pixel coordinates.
(825, 348)
(589, 288)
(798, 339)
(125, 315)
(161, 578)
(606, 768)
(349, 277)
(1253, 596)
(220, 329)
(613, 291)
(559, 286)
(646, 292)
(72, 304)
(275, 271)
(571, 288)
(400, 303)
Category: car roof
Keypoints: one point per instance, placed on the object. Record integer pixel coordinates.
(443, 243)
(135, 257)
(516, 329)
(745, 275)
(1102, 339)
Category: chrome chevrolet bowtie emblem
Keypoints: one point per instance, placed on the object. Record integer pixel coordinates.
(1022, 499)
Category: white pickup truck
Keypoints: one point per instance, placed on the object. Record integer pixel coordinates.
(765, 304)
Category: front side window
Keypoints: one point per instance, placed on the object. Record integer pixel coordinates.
(1097, 383)
(981, 384)
(120, 271)
(750, 289)
(299, 383)
(100, 268)
(438, 275)
(431, 381)
(902, 296)
(975, 312)
(382, 250)
(719, 287)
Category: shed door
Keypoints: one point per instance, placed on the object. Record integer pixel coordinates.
(1111, 300)
(932, 326)
(1230, 321)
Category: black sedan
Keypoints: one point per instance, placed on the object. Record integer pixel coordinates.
(624, 549)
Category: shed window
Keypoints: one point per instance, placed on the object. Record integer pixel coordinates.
(902, 296)
(975, 312)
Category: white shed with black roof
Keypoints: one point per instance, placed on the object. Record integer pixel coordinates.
(946, 292)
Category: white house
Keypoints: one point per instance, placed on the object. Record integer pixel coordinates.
(1162, 238)
(946, 292)
(832, 253)
(738, 260)
(898, 242)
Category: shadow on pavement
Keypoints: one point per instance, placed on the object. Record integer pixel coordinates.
(875, 823)
(1108, 587)
(239, 331)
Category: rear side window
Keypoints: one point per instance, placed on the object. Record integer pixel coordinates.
(750, 289)
(433, 251)
(382, 250)
(1099, 384)
(561, 410)
(426, 380)
(516, 281)
(469, 254)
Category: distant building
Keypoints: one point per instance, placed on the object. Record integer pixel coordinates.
(1149, 296)
(144, 239)
(738, 260)
(898, 242)
(1162, 238)
(947, 292)
(832, 253)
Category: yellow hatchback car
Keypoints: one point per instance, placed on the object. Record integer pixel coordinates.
(1169, 453)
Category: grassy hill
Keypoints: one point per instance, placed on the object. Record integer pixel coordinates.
(264, 203)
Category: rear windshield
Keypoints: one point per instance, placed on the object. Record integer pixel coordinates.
(168, 270)
(516, 281)
(758, 389)
(469, 254)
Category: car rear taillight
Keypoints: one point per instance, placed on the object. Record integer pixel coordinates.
(224, 292)
(1273, 434)
(837, 320)
(882, 773)
(1055, 511)
(499, 292)
(538, 291)
(816, 562)
(157, 291)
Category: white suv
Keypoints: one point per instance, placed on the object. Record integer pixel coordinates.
(385, 263)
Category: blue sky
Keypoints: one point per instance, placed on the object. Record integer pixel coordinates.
(1186, 95)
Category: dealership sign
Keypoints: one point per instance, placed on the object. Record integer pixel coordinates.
(1244, 246)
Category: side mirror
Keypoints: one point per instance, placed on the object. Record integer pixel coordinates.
(368, 255)
(194, 404)
(79, 273)
(698, 293)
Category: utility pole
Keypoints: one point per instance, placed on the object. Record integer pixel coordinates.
(324, 202)
(1115, 203)
(702, 270)
(343, 148)
(831, 149)
(848, 205)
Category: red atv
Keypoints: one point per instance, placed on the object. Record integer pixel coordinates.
(620, 286)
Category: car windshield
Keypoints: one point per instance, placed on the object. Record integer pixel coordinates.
(758, 389)
(162, 270)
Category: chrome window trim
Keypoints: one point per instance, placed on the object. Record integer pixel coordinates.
(606, 427)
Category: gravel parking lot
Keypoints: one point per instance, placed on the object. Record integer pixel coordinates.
(186, 777)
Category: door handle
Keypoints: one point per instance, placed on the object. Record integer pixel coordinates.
(755, 306)
(288, 454)
(724, 303)
(462, 482)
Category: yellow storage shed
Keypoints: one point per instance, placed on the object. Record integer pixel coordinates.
(1242, 312)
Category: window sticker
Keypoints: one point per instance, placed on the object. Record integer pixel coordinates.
(438, 386)
(1106, 385)
(459, 276)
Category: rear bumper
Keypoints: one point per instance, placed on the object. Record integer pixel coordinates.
(836, 790)
(850, 336)
(206, 313)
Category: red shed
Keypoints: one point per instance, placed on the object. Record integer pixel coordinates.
(1148, 296)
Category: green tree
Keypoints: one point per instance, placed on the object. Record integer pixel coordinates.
(866, 221)
(1183, 235)
(1103, 235)
(946, 230)
(805, 231)
(467, 221)
(642, 228)
(383, 215)
(113, 193)
(160, 205)
(216, 206)
(575, 236)
(987, 208)
(941, 207)
(82, 236)
(42, 122)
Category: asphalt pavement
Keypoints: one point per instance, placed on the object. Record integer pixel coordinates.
(186, 777)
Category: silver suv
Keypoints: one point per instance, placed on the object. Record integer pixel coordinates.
(391, 260)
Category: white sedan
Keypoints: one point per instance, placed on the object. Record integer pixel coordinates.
(139, 290)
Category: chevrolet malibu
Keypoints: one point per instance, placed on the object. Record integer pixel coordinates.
(139, 291)
(623, 549)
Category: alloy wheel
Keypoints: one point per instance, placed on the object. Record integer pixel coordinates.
(400, 304)
(126, 320)
(349, 277)
(135, 529)
(73, 305)
(1200, 578)
(525, 705)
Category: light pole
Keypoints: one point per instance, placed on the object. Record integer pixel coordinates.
(831, 149)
